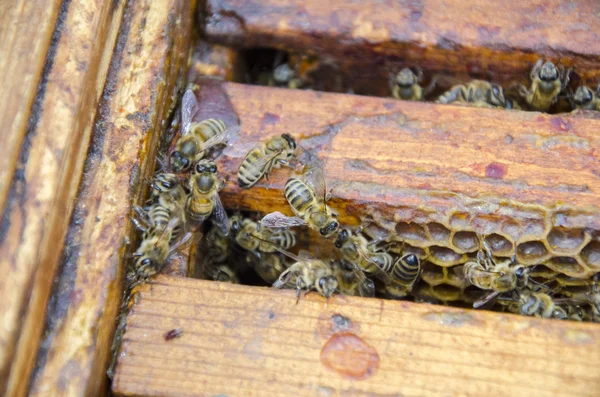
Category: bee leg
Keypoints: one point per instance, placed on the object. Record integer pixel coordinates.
(536, 69)
(298, 290)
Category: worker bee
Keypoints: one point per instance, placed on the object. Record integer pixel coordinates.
(404, 275)
(252, 236)
(307, 274)
(154, 219)
(263, 158)
(584, 98)
(478, 93)
(406, 85)
(204, 186)
(538, 304)
(577, 313)
(592, 297)
(547, 82)
(268, 266)
(198, 137)
(307, 198)
(352, 280)
(217, 248)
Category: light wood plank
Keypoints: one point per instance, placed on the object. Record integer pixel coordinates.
(242, 341)
(150, 59)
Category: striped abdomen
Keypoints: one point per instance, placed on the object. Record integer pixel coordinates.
(300, 197)
(253, 167)
(284, 239)
(160, 219)
(382, 260)
(208, 128)
(200, 206)
(406, 270)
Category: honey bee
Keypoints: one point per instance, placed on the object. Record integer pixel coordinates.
(307, 274)
(168, 191)
(198, 137)
(404, 275)
(539, 304)
(478, 93)
(592, 297)
(584, 98)
(406, 85)
(577, 313)
(204, 186)
(217, 247)
(352, 280)
(252, 237)
(366, 255)
(547, 82)
(263, 158)
(307, 197)
(268, 266)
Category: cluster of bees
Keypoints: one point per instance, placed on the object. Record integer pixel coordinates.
(187, 194)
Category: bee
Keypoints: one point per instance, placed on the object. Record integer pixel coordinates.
(406, 85)
(371, 259)
(547, 82)
(592, 297)
(252, 237)
(352, 280)
(204, 186)
(577, 313)
(268, 266)
(539, 304)
(198, 137)
(404, 275)
(584, 98)
(263, 158)
(307, 197)
(486, 274)
(168, 191)
(478, 93)
(217, 249)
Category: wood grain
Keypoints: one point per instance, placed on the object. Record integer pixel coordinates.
(38, 209)
(151, 56)
(25, 40)
(259, 342)
(498, 41)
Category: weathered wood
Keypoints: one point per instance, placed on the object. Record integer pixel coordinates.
(42, 191)
(151, 55)
(259, 342)
(216, 61)
(497, 41)
(24, 42)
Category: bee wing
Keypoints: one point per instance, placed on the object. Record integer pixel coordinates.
(220, 217)
(228, 138)
(189, 108)
(285, 276)
(183, 240)
(276, 220)
(240, 149)
(459, 271)
(260, 164)
(141, 219)
(486, 298)
(366, 287)
(314, 174)
(379, 272)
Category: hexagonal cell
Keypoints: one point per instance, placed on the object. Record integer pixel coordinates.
(432, 274)
(460, 220)
(541, 271)
(567, 281)
(412, 233)
(445, 292)
(421, 253)
(532, 252)
(445, 257)
(500, 245)
(465, 241)
(566, 241)
(567, 265)
(438, 232)
(591, 255)
(533, 228)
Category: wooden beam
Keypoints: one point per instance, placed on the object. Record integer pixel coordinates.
(42, 191)
(25, 40)
(368, 39)
(146, 71)
(259, 342)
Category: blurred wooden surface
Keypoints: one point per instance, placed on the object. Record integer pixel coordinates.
(151, 56)
(498, 41)
(408, 156)
(41, 194)
(259, 342)
(25, 40)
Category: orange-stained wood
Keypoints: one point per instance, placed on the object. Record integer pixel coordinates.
(498, 41)
(151, 55)
(41, 194)
(25, 38)
(259, 342)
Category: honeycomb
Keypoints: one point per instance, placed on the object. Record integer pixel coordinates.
(558, 245)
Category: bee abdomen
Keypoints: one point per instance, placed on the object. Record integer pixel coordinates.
(200, 207)
(285, 239)
(208, 128)
(298, 195)
(249, 173)
(405, 272)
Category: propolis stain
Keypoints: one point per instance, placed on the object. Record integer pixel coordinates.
(350, 356)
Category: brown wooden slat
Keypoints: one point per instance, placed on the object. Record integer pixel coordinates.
(259, 342)
(40, 200)
(499, 41)
(24, 42)
(151, 55)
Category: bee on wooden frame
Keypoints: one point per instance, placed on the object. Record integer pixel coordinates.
(204, 185)
(478, 93)
(547, 82)
(263, 158)
(406, 85)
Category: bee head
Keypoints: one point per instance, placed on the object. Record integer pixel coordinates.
(548, 72)
(206, 166)
(341, 238)
(405, 78)
(497, 96)
(145, 266)
(289, 140)
(164, 182)
(179, 162)
(235, 225)
(327, 285)
(411, 260)
(582, 95)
